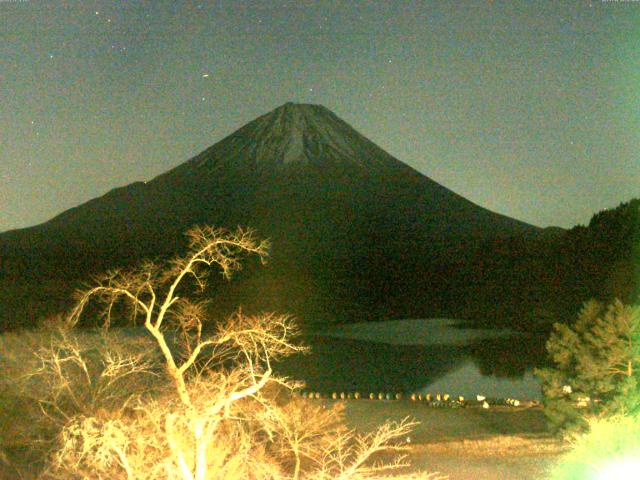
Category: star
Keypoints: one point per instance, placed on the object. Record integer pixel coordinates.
(311, 89)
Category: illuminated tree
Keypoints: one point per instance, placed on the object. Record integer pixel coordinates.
(225, 415)
(596, 366)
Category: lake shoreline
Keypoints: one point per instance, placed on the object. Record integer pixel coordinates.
(421, 356)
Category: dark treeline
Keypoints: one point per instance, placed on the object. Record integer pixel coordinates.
(547, 279)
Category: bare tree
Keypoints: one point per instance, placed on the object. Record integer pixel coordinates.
(151, 292)
(223, 416)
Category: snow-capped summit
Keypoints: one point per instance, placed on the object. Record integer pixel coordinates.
(294, 134)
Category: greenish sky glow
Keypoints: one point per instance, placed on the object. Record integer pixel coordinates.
(528, 108)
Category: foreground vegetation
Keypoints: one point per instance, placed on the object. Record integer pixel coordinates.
(446, 440)
(596, 367)
(609, 450)
(592, 394)
(182, 402)
(174, 397)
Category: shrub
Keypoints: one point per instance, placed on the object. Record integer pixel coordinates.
(49, 377)
(611, 450)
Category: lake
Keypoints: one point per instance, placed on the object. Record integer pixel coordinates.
(420, 355)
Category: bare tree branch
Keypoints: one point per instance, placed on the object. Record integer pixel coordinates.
(222, 422)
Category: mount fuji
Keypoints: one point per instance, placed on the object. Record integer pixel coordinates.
(356, 234)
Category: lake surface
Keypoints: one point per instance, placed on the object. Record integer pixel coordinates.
(437, 331)
(426, 356)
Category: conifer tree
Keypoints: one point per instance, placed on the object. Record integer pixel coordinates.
(596, 370)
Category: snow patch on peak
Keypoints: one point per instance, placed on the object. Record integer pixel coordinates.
(306, 133)
(294, 146)
(294, 134)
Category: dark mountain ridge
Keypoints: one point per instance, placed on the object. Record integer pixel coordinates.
(288, 155)
(356, 233)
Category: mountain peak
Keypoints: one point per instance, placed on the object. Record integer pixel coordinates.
(301, 106)
(294, 134)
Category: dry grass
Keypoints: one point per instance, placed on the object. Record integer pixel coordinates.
(496, 446)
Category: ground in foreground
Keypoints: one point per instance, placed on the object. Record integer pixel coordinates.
(468, 443)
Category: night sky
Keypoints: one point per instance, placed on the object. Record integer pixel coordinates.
(528, 108)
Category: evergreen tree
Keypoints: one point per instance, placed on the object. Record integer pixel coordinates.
(596, 368)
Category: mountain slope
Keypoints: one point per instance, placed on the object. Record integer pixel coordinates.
(356, 233)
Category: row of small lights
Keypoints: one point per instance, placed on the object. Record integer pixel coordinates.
(414, 397)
